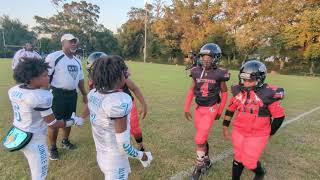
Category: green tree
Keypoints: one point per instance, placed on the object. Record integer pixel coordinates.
(15, 33)
(80, 19)
(131, 34)
(304, 35)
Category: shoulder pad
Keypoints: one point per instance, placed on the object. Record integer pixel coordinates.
(224, 74)
(269, 93)
(117, 105)
(41, 99)
(235, 89)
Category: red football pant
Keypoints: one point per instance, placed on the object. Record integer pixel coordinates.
(134, 121)
(248, 149)
(204, 118)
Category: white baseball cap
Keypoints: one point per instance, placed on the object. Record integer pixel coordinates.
(68, 37)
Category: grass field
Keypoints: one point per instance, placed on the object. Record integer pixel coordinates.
(293, 153)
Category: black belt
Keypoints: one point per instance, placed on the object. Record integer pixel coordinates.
(63, 90)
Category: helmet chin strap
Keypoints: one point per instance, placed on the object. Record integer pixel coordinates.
(203, 69)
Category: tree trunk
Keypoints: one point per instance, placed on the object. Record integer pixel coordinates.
(311, 67)
(244, 59)
(281, 63)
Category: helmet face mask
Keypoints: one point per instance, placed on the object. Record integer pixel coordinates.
(245, 76)
(248, 81)
(216, 59)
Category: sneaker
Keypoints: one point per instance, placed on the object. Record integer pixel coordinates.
(197, 172)
(207, 163)
(260, 176)
(66, 144)
(54, 155)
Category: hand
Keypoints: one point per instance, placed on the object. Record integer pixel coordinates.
(218, 116)
(188, 116)
(144, 110)
(78, 121)
(226, 133)
(146, 159)
(84, 99)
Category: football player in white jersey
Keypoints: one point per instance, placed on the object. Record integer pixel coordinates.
(33, 115)
(110, 119)
(25, 53)
(129, 88)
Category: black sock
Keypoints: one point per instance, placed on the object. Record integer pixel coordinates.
(139, 140)
(65, 140)
(259, 171)
(207, 148)
(237, 169)
(53, 146)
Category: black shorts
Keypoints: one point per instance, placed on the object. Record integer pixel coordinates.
(64, 103)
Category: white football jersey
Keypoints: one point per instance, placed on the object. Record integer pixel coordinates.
(29, 108)
(23, 53)
(67, 72)
(103, 108)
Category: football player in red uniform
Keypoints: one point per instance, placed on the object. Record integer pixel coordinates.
(210, 91)
(256, 104)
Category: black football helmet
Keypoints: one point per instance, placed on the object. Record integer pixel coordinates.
(212, 50)
(254, 70)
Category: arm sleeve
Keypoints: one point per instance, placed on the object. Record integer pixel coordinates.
(224, 98)
(276, 124)
(123, 143)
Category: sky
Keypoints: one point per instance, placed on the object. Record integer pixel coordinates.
(113, 13)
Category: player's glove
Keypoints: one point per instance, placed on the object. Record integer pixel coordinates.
(148, 161)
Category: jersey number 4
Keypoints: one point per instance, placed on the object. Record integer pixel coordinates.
(204, 89)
